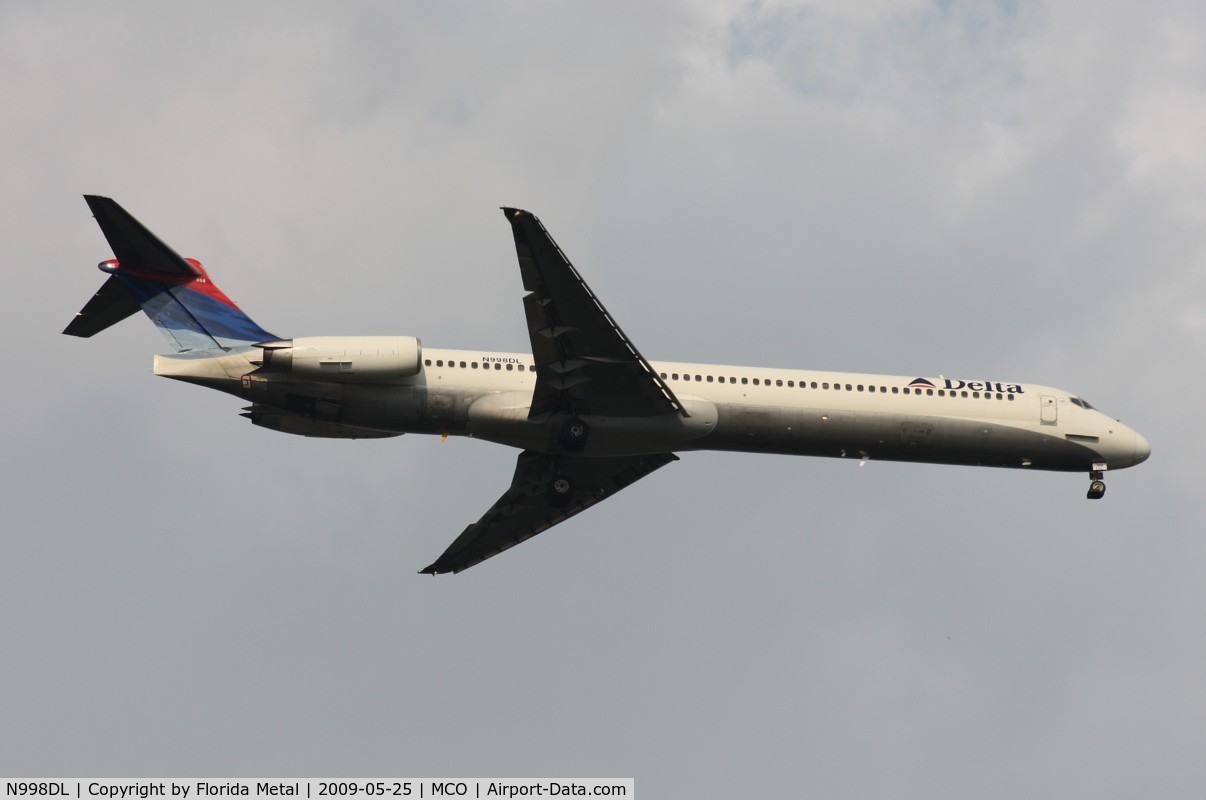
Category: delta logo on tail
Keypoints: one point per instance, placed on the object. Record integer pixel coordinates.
(972, 386)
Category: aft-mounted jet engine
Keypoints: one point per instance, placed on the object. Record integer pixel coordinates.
(352, 359)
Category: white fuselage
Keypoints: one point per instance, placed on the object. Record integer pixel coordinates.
(488, 395)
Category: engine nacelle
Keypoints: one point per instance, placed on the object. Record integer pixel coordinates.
(351, 359)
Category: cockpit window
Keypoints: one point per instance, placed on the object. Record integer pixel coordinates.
(1076, 401)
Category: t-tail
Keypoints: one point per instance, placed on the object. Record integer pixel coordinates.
(175, 292)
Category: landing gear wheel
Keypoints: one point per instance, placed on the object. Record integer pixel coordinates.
(561, 490)
(573, 435)
(1096, 490)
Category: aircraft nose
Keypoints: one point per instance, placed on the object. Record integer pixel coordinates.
(1142, 448)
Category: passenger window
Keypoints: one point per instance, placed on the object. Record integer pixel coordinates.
(497, 365)
(745, 381)
(427, 362)
(929, 392)
(860, 387)
(510, 367)
(709, 379)
(942, 392)
(895, 390)
(698, 378)
(521, 369)
(755, 381)
(440, 362)
(778, 383)
(474, 364)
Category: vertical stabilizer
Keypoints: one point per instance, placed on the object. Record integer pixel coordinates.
(176, 293)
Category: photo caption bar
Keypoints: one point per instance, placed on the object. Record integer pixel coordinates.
(109, 789)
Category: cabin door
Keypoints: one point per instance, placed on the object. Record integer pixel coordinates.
(1048, 412)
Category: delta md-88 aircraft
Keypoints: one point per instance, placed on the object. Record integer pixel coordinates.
(589, 412)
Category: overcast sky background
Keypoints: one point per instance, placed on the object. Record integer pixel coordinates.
(996, 191)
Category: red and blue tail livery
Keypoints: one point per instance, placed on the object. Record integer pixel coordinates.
(176, 293)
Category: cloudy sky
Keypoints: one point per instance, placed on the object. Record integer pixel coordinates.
(1003, 191)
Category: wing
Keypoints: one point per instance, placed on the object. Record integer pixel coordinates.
(546, 490)
(584, 363)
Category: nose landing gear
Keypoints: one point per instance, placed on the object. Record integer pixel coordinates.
(1096, 485)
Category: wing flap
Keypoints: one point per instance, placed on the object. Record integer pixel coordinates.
(531, 506)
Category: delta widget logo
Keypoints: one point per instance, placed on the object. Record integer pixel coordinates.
(973, 386)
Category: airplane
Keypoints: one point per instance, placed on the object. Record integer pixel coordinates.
(590, 414)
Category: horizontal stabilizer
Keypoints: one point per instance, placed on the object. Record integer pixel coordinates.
(109, 306)
(134, 245)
